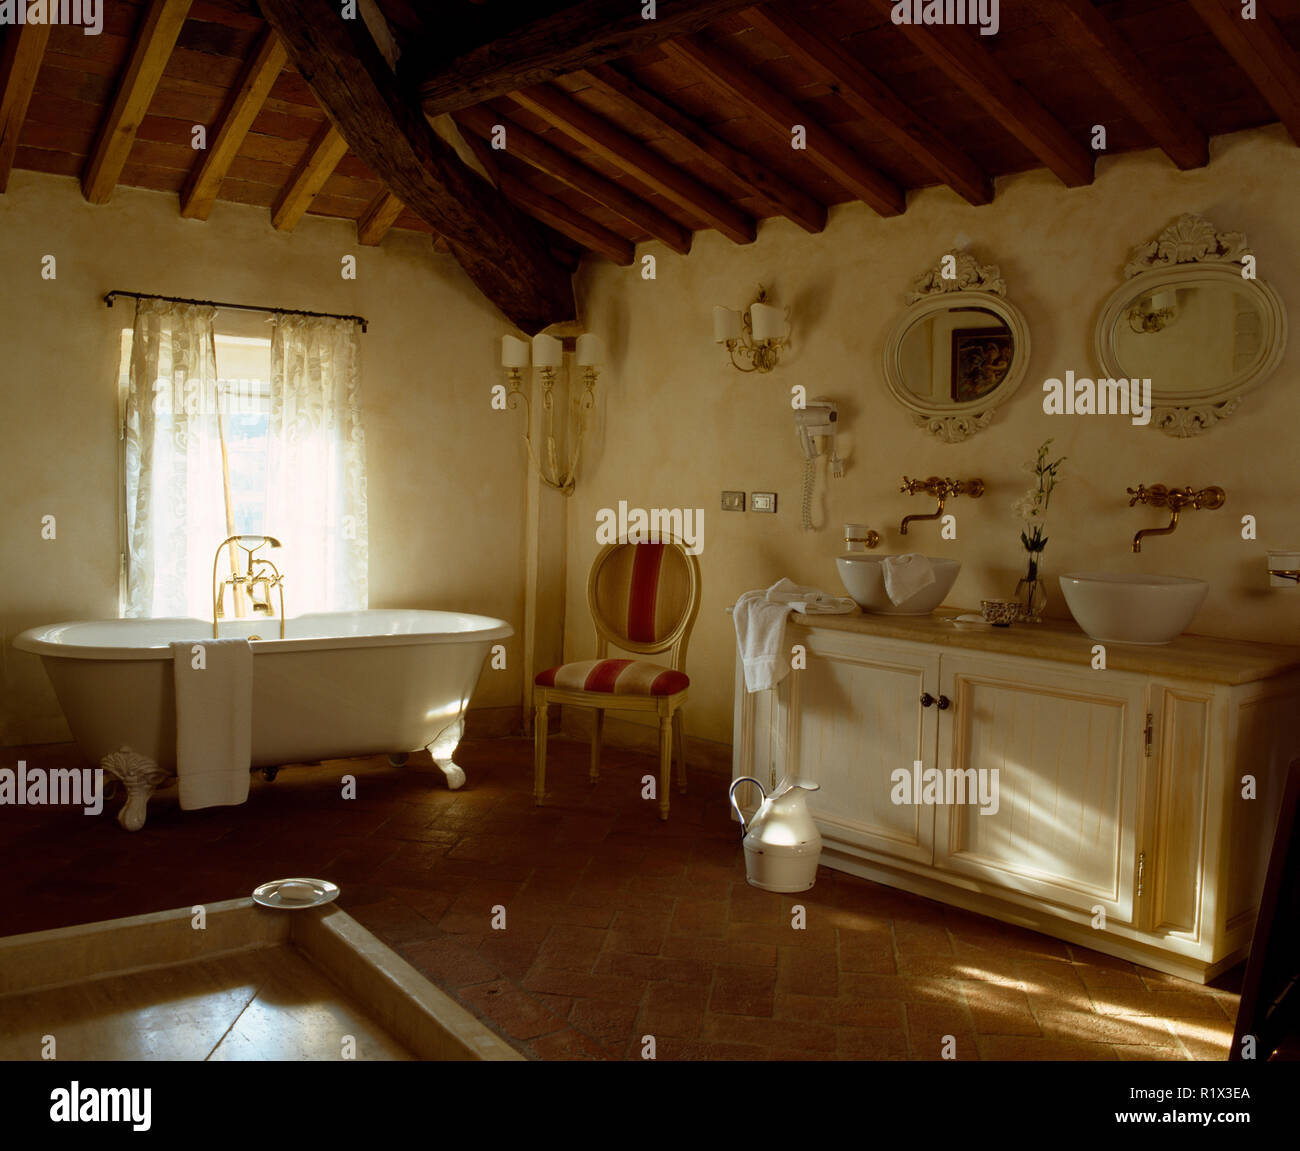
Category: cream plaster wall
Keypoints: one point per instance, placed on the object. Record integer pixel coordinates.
(445, 471)
(675, 424)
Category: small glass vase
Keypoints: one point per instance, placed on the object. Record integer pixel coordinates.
(1031, 594)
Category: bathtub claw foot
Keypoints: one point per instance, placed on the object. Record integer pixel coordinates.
(455, 776)
(443, 747)
(139, 775)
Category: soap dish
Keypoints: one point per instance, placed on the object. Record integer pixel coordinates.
(970, 619)
(294, 894)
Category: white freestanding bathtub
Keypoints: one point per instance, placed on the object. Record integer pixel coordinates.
(339, 684)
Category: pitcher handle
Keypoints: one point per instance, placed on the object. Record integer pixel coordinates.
(732, 796)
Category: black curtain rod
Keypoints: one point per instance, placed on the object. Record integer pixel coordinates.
(237, 307)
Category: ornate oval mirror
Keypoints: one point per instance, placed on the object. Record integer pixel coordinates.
(959, 350)
(1187, 319)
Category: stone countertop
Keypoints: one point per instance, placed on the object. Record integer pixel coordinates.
(1194, 657)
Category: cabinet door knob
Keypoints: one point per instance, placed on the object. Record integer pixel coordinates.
(926, 699)
(944, 703)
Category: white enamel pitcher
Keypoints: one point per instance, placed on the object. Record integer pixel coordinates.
(782, 843)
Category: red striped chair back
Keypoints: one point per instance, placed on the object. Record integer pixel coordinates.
(644, 598)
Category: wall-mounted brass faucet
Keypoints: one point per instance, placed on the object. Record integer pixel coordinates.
(1175, 499)
(257, 572)
(941, 489)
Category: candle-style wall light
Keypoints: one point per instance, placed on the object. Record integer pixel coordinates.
(758, 335)
(547, 356)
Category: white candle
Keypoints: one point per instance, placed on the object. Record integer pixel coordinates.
(726, 325)
(514, 353)
(590, 351)
(548, 352)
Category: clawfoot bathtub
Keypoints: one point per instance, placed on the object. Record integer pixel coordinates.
(339, 684)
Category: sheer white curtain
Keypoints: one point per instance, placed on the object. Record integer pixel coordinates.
(175, 503)
(316, 470)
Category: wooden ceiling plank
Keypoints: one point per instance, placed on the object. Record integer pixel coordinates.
(1092, 41)
(558, 215)
(321, 158)
(555, 214)
(204, 183)
(824, 149)
(486, 60)
(638, 161)
(498, 246)
(522, 143)
(153, 45)
(710, 151)
(1262, 53)
(872, 99)
(20, 61)
(380, 215)
(973, 69)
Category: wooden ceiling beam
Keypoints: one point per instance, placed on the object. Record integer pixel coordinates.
(638, 161)
(872, 99)
(316, 166)
(514, 46)
(1262, 52)
(541, 155)
(260, 72)
(972, 68)
(20, 61)
(380, 215)
(547, 209)
(824, 148)
(647, 111)
(153, 47)
(499, 247)
(1092, 41)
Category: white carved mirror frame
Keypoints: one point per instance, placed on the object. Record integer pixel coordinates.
(1192, 253)
(957, 280)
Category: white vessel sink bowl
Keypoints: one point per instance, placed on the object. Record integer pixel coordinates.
(864, 580)
(1145, 609)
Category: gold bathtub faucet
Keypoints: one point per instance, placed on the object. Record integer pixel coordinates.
(1175, 499)
(257, 572)
(941, 489)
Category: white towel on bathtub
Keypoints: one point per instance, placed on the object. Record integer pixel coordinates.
(214, 720)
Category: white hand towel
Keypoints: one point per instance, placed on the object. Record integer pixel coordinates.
(760, 633)
(214, 720)
(906, 575)
(808, 600)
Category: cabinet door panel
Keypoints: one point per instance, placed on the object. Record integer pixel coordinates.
(854, 721)
(1065, 752)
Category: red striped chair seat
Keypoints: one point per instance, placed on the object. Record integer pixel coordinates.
(617, 676)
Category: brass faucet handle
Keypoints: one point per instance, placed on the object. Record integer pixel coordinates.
(1157, 495)
(972, 488)
(1209, 498)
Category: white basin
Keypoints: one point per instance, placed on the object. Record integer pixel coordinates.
(864, 580)
(1145, 609)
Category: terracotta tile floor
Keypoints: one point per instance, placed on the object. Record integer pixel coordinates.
(617, 926)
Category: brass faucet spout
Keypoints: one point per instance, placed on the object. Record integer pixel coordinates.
(1173, 523)
(934, 515)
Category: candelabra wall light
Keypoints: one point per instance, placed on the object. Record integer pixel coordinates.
(758, 335)
(1154, 313)
(547, 357)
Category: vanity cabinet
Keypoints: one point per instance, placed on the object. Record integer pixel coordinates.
(1112, 811)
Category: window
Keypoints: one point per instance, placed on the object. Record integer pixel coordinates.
(231, 431)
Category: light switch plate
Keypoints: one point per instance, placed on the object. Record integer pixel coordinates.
(762, 501)
(733, 501)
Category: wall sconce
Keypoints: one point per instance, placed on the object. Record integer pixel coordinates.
(1158, 313)
(759, 335)
(547, 355)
